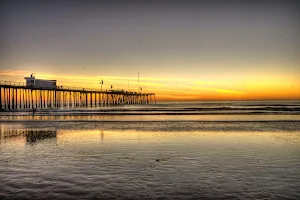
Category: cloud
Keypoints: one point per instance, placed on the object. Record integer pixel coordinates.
(220, 90)
(204, 82)
(175, 91)
(13, 73)
(229, 91)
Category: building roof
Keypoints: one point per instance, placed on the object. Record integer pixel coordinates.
(38, 79)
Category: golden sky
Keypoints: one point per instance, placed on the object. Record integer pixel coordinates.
(190, 51)
(259, 87)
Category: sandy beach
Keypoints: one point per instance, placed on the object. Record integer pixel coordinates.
(140, 159)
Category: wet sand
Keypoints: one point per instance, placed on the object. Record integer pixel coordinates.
(150, 160)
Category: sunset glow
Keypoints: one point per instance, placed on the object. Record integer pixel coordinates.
(250, 88)
(196, 51)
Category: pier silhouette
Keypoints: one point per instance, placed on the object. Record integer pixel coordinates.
(19, 96)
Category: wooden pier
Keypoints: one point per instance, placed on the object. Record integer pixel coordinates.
(18, 96)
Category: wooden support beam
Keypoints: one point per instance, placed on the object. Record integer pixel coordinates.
(21, 97)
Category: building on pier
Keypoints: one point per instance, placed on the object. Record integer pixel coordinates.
(41, 83)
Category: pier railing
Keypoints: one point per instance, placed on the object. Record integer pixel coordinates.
(60, 87)
(17, 95)
(12, 83)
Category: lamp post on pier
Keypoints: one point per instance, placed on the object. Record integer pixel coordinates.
(101, 82)
(141, 97)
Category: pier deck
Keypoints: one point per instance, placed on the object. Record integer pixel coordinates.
(16, 96)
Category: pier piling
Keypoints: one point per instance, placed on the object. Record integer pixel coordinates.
(16, 95)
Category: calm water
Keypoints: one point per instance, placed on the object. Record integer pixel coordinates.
(55, 155)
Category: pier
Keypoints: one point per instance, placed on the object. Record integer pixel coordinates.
(19, 96)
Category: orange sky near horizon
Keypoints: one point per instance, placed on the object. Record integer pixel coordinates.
(247, 88)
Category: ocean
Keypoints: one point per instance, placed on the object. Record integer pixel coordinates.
(170, 150)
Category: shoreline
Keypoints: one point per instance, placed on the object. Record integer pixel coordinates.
(141, 113)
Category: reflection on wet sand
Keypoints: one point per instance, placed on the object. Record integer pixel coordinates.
(105, 162)
(31, 136)
(145, 117)
(34, 136)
